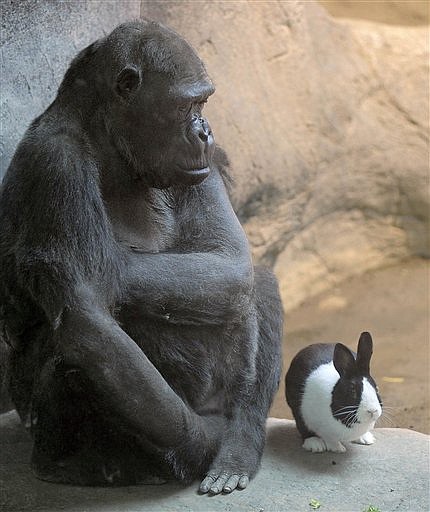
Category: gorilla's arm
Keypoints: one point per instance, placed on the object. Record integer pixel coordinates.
(89, 341)
(70, 275)
(211, 280)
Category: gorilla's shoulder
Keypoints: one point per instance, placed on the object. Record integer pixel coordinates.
(47, 149)
(222, 164)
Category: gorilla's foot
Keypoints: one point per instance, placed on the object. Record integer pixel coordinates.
(88, 470)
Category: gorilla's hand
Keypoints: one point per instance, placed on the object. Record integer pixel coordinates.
(223, 480)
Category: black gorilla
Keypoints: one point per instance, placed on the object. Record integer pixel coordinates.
(143, 342)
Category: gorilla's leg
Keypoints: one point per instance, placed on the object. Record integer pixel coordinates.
(102, 402)
(77, 441)
(101, 395)
(243, 441)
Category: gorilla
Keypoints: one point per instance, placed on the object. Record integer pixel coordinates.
(143, 344)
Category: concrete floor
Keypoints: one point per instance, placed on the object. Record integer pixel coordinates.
(392, 475)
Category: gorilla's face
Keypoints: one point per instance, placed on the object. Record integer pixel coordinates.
(168, 140)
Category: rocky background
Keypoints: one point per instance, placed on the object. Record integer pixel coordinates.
(393, 12)
(325, 120)
(325, 123)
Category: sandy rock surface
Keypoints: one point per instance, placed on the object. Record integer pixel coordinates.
(393, 12)
(323, 121)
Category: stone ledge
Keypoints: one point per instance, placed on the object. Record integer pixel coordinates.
(392, 475)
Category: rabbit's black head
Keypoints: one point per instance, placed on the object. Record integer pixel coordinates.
(355, 397)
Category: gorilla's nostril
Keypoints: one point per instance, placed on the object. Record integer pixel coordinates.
(203, 135)
(202, 129)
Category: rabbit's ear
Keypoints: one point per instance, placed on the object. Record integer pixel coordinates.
(343, 360)
(364, 353)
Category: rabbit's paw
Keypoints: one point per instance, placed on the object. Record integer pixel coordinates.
(335, 447)
(315, 445)
(367, 438)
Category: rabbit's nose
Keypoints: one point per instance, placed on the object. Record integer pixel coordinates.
(372, 412)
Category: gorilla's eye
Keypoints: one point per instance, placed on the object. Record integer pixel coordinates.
(184, 110)
(201, 104)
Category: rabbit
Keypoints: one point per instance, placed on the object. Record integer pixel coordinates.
(332, 395)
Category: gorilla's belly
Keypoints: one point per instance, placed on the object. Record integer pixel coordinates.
(188, 358)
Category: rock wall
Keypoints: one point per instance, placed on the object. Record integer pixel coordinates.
(394, 12)
(326, 126)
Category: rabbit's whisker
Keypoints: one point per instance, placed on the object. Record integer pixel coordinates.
(352, 418)
(346, 413)
(386, 419)
(345, 409)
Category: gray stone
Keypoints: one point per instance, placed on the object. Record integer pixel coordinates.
(38, 40)
(392, 475)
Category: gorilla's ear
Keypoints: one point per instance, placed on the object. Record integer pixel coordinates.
(128, 81)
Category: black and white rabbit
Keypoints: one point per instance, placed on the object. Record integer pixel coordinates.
(332, 395)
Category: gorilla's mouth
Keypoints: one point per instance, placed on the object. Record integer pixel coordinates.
(194, 175)
(204, 171)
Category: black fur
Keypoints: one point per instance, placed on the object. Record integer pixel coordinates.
(352, 367)
(302, 365)
(349, 388)
(143, 343)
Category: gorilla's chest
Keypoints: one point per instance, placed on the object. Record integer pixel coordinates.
(145, 222)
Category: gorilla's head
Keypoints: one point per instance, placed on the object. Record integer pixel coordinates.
(152, 87)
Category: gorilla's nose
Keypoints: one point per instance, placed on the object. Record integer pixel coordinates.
(204, 130)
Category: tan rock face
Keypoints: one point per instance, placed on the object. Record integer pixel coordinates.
(326, 126)
(394, 12)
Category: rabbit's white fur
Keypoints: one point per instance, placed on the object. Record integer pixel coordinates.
(318, 417)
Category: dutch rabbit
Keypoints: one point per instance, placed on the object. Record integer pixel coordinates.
(332, 395)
